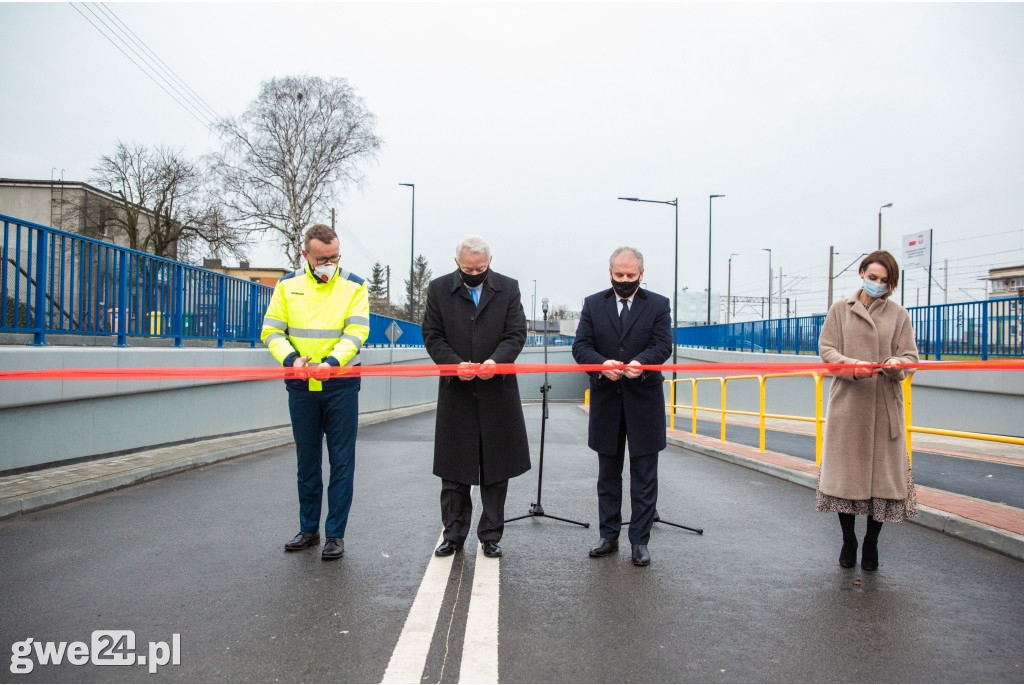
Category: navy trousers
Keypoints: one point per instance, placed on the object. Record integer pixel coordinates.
(333, 414)
(643, 491)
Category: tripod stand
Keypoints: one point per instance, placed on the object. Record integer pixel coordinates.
(536, 508)
(658, 519)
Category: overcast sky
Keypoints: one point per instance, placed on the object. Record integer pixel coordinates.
(525, 122)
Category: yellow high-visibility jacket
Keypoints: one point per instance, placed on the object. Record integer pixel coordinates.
(327, 322)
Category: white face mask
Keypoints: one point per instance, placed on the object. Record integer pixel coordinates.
(324, 272)
(875, 289)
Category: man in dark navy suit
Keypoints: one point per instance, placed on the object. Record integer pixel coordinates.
(623, 328)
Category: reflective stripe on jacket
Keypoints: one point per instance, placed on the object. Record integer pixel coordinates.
(327, 322)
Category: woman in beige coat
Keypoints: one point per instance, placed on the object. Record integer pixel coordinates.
(865, 468)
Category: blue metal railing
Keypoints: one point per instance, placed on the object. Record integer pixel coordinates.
(55, 282)
(982, 328)
(412, 334)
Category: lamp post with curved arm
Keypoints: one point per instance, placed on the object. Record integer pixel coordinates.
(675, 282)
(880, 223)
(412, 251)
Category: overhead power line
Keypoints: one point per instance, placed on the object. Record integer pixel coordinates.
(186, 90)
(116, 38)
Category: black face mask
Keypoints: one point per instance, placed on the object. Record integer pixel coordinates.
(473, 280)
(625, 288)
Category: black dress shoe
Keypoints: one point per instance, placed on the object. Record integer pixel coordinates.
(491, 549)
(334, 549)
(640, 555)
(605, 547)
(448, 548)
(307, 538)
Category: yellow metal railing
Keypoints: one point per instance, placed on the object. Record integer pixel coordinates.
(818, 419)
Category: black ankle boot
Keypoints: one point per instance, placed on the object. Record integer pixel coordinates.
(869, 555)
(848, 554)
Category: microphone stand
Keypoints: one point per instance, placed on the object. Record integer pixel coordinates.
(658, 519)
(536, 508)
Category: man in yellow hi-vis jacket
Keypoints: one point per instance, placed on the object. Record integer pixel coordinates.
(318, 319)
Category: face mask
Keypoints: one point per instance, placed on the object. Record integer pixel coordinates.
(875, 289)
(473, 280)
(625, 288)
(324, 272)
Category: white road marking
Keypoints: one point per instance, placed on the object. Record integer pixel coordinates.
(410, 655)
(480, 648)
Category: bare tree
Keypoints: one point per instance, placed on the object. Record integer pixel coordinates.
(165, 207)
(285, 158)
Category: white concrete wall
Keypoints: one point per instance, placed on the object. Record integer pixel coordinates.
(46, 421)
(52, 421)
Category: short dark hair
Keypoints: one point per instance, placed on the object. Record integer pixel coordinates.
(889, 262)
(323, 233)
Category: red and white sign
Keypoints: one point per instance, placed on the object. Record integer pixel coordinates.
(917, 249)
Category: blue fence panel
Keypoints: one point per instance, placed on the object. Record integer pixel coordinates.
(412, 334)
(981, 328)
(54, 282)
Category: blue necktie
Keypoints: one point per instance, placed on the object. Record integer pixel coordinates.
(476, 296)
(623, 313)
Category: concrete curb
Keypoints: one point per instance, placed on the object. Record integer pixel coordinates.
(193, 455)
(983, 535)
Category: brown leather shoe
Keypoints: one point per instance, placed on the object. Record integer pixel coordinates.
(307, 538)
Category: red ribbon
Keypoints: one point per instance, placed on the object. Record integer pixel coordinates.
(423, 370)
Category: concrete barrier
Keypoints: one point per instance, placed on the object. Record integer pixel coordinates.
(43, 422)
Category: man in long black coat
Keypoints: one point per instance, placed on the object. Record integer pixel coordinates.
(625, 403)
(474, 316)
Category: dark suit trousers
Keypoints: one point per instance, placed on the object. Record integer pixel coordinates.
(643, 491)
(457, 511)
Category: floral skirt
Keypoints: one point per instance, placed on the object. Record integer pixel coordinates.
(880, 509)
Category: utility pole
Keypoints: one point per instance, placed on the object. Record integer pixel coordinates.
(780, 292)
(831, 268)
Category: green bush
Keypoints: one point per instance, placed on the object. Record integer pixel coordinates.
(12, 310)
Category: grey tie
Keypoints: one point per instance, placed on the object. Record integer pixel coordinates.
(623, 314)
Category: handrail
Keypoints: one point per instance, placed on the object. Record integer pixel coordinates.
(818, 419)
(981, 328)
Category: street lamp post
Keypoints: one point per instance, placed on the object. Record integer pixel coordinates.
(728, 288)
(710, 198)
(675, 282)
(769, 251)
(533, 315)
(412, 250)
(880, 223)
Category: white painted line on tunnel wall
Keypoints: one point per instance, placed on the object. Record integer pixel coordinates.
(480, 648)
(410, 655)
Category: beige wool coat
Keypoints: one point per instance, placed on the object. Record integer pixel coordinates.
(865, 451)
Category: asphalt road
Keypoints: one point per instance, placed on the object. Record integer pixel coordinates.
(758, 598)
